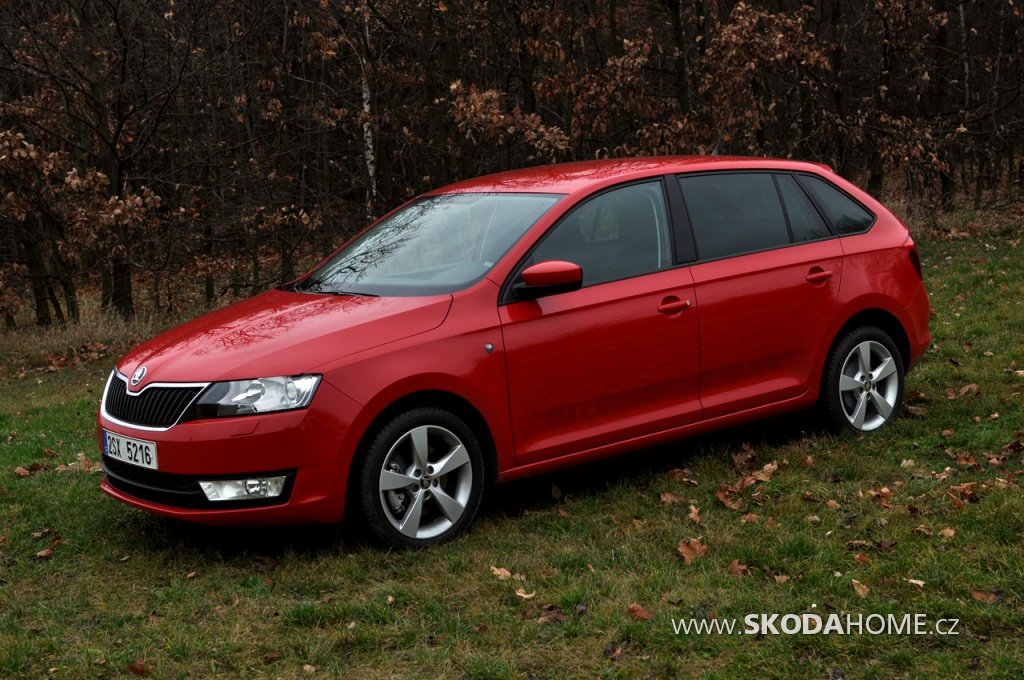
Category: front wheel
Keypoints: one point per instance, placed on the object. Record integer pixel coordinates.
(863, 386)
(422, 479)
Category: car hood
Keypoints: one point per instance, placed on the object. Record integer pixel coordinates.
(280, 333)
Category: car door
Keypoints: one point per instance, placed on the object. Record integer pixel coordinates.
(767, 283)
(617, 358)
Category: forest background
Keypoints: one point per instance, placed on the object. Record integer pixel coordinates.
(172, 155)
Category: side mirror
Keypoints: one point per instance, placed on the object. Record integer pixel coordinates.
(548, 278)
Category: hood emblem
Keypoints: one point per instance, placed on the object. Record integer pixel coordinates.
(138, 375)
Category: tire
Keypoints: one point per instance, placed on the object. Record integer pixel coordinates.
(421, 479)
(863, 385)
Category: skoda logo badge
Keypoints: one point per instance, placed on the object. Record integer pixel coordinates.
(138, 375)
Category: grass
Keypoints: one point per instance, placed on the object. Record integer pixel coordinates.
(125, 594)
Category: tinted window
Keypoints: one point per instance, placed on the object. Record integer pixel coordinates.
(805, 222)
(734, 213)
(847, 216)
(615, 235)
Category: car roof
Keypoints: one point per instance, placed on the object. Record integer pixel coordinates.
(568, 178)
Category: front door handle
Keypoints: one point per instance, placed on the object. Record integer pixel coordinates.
(672, 305)
(818, 275)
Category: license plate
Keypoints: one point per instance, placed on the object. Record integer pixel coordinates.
(128, 450)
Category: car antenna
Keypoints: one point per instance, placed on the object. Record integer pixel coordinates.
(721, 133)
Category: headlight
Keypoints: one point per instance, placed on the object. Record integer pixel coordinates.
(261, 395)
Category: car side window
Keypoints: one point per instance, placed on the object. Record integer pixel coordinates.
(805, 222)
(734, 213)
(847, 216)
(615, 235)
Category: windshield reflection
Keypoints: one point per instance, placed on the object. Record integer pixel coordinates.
(439, 244)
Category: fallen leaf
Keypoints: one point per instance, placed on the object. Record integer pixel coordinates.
(694, 515)
(309, 668)
(750, 518)
(190, 575)
(138, 668)
(780, 578)
(724, 494)
(3, 539)
(995, 460)
(501, 572)
(807, 462)
(945, 434)
(525, 595)
(771, 523)
(915, 582)
(969, 389)
(669, 498)
(691, 549)
(48, 552)
(917, 411)
(948, 532)
(907, 463)
(639, 613)
(862, 590)
(563, 512)
(862, 559)
(833, 504)
(681, 475)
(922, 529)
(745, 459)
(737, 569)
(21, 472)
(813, 519)
(810, 497)
(880, 546)
(966, 492)
(552, 615)
(987, 596)
(880, 494)
(765, 473)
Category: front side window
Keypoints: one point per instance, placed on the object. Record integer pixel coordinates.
(439, 244)
(616, 235)
(734, 213)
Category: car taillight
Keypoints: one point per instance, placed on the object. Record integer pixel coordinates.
(915, 259)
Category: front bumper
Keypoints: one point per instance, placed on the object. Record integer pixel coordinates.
(307, 446)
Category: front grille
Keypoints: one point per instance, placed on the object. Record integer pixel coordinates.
(154, 407)
(182, 491)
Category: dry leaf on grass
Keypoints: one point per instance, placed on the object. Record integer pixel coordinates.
(987, 596)
(691, 549)
(737, 569)
(694, 515)
(669, 498)
(639, 613)
(861, 589)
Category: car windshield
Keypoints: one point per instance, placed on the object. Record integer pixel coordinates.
(436, 245)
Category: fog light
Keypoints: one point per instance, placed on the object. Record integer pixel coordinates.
(243, 489)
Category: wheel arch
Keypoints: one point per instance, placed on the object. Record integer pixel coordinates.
(882, 320)
(436, 399)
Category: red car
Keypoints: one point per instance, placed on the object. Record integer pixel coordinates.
(518, 323)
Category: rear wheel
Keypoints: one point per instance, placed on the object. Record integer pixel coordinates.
(422, 479)
(864, 376)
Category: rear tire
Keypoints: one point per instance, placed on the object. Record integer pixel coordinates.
(864, 379)
(422, 479)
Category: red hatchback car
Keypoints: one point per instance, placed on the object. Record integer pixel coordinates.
(518, 323)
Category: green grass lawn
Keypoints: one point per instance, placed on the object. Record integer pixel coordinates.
(925, 517)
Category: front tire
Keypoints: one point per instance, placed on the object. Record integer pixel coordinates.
(864, 378)
(422, 479)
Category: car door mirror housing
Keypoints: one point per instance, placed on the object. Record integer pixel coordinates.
(548, 278)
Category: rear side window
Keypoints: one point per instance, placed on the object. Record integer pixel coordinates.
(805, 221)
(734, 213)
(846, 215)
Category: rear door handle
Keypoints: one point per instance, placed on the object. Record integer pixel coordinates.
(673, 305)
(818, 275)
